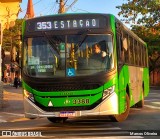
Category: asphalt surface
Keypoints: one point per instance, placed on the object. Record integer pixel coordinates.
(12, 112)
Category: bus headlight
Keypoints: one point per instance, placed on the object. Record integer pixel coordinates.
(29, 95)
(108, 92)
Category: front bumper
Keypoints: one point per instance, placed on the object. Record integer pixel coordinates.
(108, 106)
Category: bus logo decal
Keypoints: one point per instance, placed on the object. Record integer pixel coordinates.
(67, 101)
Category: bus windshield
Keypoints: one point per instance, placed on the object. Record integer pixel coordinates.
(68, 55)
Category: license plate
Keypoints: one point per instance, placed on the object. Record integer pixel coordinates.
(67, 114)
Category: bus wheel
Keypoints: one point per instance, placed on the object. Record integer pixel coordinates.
(140, 104)
(123, 116)
(57, 119)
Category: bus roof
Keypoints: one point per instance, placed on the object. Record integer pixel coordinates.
(87, 15)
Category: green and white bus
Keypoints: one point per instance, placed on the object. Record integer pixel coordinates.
(62, 80)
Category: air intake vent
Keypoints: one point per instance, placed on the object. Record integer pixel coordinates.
(66, 87)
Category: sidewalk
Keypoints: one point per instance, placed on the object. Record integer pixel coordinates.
(12, 109)
(155, 87)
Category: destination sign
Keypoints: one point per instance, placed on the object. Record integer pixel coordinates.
(67, 24)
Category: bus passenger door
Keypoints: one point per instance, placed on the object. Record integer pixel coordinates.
(139, 83)
(121, 73)
(133, 83)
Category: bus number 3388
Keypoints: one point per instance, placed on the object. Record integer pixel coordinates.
(81, 101)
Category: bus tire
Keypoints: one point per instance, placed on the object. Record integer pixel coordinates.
(123, 116)
(57, 119)
(140, 104)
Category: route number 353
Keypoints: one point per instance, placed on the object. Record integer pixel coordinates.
(44, 25)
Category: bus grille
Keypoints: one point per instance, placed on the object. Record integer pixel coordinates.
(66, 87)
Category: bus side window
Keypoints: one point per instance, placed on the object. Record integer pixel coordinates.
(136, 51)
(141, 59)
(131, 51)
(145, 57)
(138, 54)
(126, 50)
(120, 51)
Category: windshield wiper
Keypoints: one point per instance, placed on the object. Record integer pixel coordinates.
(52, 43)
(82, 39)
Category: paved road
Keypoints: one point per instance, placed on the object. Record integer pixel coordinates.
(95, 127)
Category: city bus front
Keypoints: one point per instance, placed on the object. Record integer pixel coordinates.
(64, 76)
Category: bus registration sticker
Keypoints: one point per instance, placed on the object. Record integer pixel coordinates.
(67, 114)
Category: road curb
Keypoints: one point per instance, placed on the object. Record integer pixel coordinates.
(155, 87)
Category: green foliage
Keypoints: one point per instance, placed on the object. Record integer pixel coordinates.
(11, 36)
(144, 17)
(149, 35)
(146, 12)
(154, 58)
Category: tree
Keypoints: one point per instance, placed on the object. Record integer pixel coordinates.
(11, 36)
(11, 39)
(143, 15)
